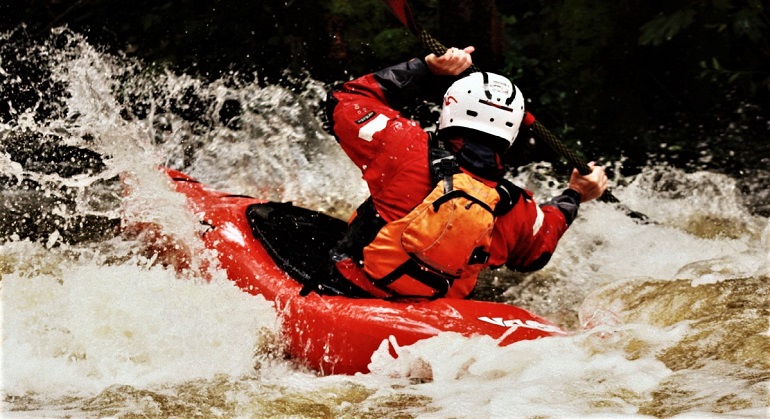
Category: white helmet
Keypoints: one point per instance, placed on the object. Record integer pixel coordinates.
(485, 102)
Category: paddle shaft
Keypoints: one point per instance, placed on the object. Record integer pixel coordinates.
(403, 12)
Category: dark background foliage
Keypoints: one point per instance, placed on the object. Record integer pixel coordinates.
(686, 82)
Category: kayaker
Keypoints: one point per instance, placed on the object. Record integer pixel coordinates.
(403, 164)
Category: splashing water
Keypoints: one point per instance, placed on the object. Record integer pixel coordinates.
(670, 318)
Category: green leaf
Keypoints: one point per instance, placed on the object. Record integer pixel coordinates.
(748, 22)
(663, 28)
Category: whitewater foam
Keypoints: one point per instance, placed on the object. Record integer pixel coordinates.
(85, 327)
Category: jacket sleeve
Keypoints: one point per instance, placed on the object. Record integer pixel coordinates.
(398, 87)
(568, 203)
(404, 83)
(529, 233)
(389, 148)
(364, 114)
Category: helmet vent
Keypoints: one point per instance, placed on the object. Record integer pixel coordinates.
(509, 124)
(471, 113)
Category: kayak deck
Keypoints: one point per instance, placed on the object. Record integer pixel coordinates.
(297, 239)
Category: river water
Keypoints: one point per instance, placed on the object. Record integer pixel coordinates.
(667, 319)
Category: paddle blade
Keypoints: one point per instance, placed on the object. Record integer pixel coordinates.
(403, 12)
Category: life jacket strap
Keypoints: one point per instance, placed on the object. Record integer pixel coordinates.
(457, 193)
(362, 230)
(411, 268)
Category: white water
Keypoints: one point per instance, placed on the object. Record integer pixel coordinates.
(86, 326)
(679, 308)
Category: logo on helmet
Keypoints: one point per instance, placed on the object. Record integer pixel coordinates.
(499, 87)
(447, 100)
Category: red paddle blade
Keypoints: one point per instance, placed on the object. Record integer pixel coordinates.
(403, 12)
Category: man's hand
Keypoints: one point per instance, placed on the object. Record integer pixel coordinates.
(590, 186)
(452, 63)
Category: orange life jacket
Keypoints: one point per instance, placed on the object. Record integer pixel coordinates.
(439, 248)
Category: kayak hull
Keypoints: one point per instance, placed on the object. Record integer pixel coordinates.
(335, 334)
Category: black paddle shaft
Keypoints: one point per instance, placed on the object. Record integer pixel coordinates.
(558, 146)
(404, 14)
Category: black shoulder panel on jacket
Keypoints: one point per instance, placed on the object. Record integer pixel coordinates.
(411, 80)
(568, 203)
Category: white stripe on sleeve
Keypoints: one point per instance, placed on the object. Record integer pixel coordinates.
(538, 221)
(372, 127)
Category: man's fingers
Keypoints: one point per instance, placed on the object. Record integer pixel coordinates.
(453, 62)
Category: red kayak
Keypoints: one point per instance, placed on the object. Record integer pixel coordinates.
(270, 249)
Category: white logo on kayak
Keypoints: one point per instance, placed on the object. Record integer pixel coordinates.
(516, 323)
